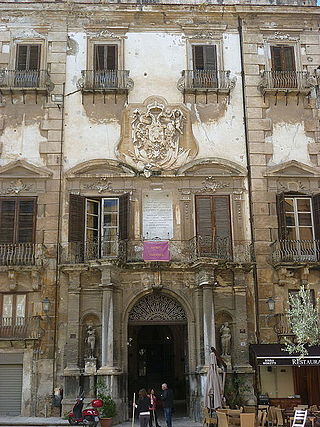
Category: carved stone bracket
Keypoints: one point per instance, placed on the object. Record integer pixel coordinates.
(12, 276)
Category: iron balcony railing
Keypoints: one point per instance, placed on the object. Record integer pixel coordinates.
(210, 80)
(25, 79)
(21, 254)
(20, 327)
(180, 250)
(282, 326)
(285, 80)
(105, 80)
(295, 251)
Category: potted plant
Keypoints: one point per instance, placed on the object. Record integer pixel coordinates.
(108, 409)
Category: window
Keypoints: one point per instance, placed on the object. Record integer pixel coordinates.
(17, 219)
(105, 57)
(282, 58)
(98, 224)
(27, 72)
(299, 221)
(294, 292)
(13, 309)
(205, 72)
(213, 225)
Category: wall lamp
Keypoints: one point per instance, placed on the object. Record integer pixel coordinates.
(271, 304)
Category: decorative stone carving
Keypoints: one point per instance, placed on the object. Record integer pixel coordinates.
(106, 34)
(156, 136)
(211, 185)
(104, 185)
(72, 46)
(28, 33)
(91, 340)
(282, 36)
(225, 338)
(16, 187)
(157, 307)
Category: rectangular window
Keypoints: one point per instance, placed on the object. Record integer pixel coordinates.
(13, 310)
(213, 225)
(105, 57)
(298, 218)
(17, 219)
(28, 57)
(205, 73)
(282, 58)
(99, 224)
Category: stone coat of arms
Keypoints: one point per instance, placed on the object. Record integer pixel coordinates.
(159, 137)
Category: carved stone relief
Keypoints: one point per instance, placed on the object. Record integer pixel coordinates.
(156, 136)
(16, 187)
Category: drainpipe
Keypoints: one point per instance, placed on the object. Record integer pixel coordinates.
(251, 216)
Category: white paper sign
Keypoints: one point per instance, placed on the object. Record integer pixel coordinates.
(157, 214)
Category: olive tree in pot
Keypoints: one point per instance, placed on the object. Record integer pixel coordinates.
(108, 409)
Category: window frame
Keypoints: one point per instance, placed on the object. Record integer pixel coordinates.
(18, 199)
(36, 41)
(287, 42)
(296, 212)
(14, 308)
(92, 42)
(205, 42)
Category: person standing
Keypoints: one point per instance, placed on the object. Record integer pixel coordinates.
(143, 406)
(153, 408)
(167, 403)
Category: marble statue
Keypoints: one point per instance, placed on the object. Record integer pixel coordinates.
(225, 339)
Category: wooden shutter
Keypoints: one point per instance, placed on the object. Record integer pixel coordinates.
(222, 216)
(26, 216)
(111, 57)
(316, 215)
(124, 216)
(282, 58)
(28, 57)
(7, 220)
(282, 229)
(204, 57)
(76, 218)
(204, 218)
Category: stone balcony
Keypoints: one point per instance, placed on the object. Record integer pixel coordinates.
(105, 81)
(25, 80)
(293, 252)
(181, 251)
(20, 328)
(23, 254)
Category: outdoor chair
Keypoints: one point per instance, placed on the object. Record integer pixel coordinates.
(208, 418)
(300, 418)
(279, 417)
(263, 419)
(250, 409)
(222, 419)
(247, 420)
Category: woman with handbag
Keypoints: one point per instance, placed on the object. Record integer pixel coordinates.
(153, 408)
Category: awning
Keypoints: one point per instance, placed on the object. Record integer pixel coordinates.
(273, 355)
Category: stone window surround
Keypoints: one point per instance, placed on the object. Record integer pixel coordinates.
(214, 41)
(37, 41)
(285, 42)
(103, 41)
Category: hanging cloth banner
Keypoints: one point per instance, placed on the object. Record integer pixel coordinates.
(156, 251)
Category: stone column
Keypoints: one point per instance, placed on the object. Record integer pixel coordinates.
(73, 332)
(209, 333)
(107, 322)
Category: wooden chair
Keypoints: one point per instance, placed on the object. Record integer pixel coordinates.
(272, 416)
(313, 408)
(208, 419)
(250, 409)
(279, 417)
(302, 406)
(263, 419)
(247, 420)
(300, 418)
(222, 419)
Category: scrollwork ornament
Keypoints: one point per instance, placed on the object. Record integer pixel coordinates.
(16, 187)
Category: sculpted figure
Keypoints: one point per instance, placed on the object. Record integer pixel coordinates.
(225, 338)
(91, 340)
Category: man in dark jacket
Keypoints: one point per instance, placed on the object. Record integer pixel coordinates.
(167, 403)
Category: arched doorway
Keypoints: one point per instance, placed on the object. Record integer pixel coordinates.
(158, 346)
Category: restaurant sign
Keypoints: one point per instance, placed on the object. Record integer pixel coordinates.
(289, 361)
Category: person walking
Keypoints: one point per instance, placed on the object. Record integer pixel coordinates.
(153, 408)
(167, 403)
(142, 406)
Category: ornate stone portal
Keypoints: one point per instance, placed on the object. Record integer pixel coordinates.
(156, 136)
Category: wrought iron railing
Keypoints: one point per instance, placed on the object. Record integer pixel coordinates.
(180, 250)
(285, 80)
(25, 79)
(21, 254)
(295, 251)
(20, 327)
(205, 80)
(104, 80)
(282, 326)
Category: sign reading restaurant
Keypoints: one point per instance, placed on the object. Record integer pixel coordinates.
(289, 361)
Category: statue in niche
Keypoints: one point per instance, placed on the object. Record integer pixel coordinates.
(91, 340)
(225, 339)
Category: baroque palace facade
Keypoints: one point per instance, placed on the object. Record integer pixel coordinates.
(159, 183)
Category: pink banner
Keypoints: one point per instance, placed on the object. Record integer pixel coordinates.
(156, 251)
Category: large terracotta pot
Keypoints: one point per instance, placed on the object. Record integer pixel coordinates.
(105, 422)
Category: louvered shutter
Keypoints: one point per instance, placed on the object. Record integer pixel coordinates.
(34, 57)
(7, 220)
(111, 57)
(316, 215)
(99, 57)
(198, 57)
(26, 221)
(22, 54)
(210, 56)
(282, 230)
(76, 218)
(223, 246)
(204, 224)
(124, 216)
(288, 62)
(276, 58)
